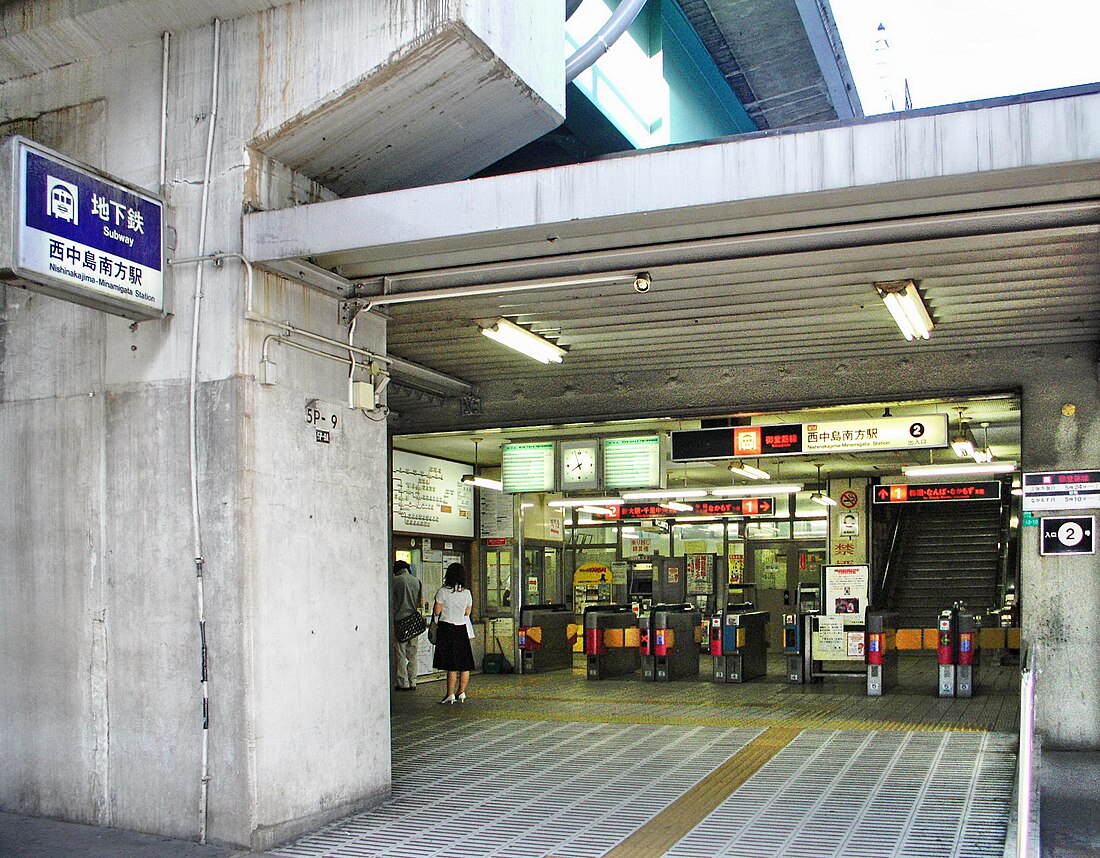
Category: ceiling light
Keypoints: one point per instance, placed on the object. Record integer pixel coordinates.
(676, 506)
(904, 303)
(671, 494)
(570, 502)
(749, 491)
(749, 472)
(961, 444)
(597, 510)
(811, 513)
(483, 482)
(524, 341)
(819, 498)
(984, 455)
(959, 469)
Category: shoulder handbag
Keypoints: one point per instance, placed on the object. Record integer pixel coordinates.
(432, 628)
(409, 627)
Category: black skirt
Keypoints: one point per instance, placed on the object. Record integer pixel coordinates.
(452, 648)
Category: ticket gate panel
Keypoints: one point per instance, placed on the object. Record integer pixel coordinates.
(882, 654)
(957, 652)
(744, 653)
(606, 641)
(543, 638)
(669, 649)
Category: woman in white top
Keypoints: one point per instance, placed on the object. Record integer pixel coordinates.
(453, 603)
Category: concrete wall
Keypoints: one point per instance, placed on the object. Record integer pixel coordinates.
(99, 684)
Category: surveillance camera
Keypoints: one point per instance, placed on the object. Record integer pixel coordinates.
(642, 282)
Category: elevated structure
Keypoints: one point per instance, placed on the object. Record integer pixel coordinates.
(142, 459)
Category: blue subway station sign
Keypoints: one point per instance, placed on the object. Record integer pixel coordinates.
(86, 237)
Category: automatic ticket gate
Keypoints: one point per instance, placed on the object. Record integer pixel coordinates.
(667, 643)
(882, 652)
(797, 633)
(611, 641)
(739, 645)
(543, 637)
(957, 652)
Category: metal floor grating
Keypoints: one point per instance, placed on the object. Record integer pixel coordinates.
(839, 794)
(523, 789)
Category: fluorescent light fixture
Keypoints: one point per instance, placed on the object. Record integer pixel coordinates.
(597, 510)
(483, 482)
(811, 513)
(676, 506)
(904, 303)
(524, 341)
(569, 502)
(749, 491)
(963, 447)
(669, 494)
(960, 469)
(749, 472)
(694, 519)
(822, 500)
(983, 457)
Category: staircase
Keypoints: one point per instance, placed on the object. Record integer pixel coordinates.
(946, 553)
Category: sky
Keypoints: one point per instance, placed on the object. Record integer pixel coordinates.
(962, 50)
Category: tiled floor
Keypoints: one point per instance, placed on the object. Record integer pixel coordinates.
(555, 765)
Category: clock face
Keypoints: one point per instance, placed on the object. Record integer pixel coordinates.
(578, 466)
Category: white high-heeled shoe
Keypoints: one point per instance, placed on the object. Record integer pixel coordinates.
(450, 698)
(461, 698)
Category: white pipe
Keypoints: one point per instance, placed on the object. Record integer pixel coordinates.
(605, 37)
(495, 289)
(165, 39)
(204, 789)
(351, 358)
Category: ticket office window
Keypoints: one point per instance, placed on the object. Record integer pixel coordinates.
(498, 581)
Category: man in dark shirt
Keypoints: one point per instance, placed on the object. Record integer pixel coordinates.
(408, 598)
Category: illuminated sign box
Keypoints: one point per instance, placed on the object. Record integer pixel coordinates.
(528, 467)
(797, 439)
(80, 235)
(632, 463)
(929, 492)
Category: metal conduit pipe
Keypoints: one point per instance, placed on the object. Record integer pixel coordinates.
(204, 790)
(166, 38)
(493, 289)
(605, 37)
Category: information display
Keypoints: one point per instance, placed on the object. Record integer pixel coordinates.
(528, 467)
(632, 463)
(846, 591)
(429, 496)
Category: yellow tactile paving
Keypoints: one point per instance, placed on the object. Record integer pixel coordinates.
(658, 835)
(817, 722)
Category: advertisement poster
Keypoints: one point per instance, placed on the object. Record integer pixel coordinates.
(700, 574)
(846, 591)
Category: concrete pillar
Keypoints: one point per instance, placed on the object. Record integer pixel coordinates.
(99, 618)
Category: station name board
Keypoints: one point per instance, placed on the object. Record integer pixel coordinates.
(796, 439)
(928, 492)
(81, 235)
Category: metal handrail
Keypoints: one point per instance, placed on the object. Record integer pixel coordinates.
(881, 596)
(1024, 774)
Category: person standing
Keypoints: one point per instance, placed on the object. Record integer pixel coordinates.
(408, 598)
(451, 612)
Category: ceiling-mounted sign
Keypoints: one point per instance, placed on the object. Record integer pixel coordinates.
(81, 235)
(528, 467)
(1068, 535)
(1062, 490)
(747, 507)
(793, 439)
(929, 492)
(632, 463)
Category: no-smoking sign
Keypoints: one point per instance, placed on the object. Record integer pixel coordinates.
(1068, 535)
(849, 499)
